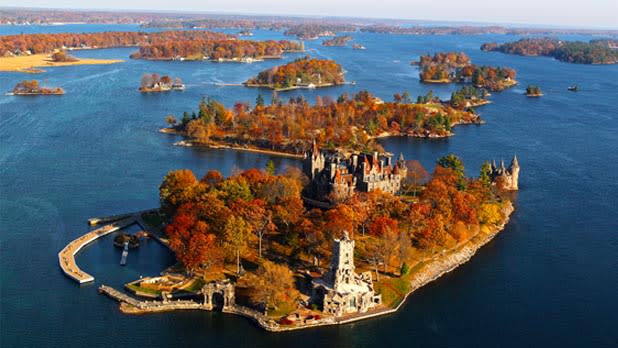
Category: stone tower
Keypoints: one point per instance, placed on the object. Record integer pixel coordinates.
(342, 267)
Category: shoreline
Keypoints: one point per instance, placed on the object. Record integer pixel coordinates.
(283, 89)
(431, 269)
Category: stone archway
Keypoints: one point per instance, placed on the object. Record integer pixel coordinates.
(224, 290)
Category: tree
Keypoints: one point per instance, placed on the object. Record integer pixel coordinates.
(235, 237)
(177, 188)
(453, 162)
(192, 242)
(386, 230)
(259, 101)
(272, 285)
(171, 120)
(270, 167)
(485, 176)
(417, 174)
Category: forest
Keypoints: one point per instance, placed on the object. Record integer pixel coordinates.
(157, 45)
(256, 221)
(448, 67)
(300, 72)
(350, 122)
(593, 52)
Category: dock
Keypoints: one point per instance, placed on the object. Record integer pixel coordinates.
(125, 253)
(66, 256)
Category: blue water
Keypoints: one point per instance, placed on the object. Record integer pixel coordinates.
(550, 279)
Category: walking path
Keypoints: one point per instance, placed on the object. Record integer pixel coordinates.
(66, 256)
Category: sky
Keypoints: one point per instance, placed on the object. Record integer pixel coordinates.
(565, 13)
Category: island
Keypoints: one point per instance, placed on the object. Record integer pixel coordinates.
(157, 83)
(287, 128)
(337, 41)
(301, 73)
(34, 88)
(253, 245)
(164, 45)
(449, 67)
(312, 31)
(593, 52)
(533, 91)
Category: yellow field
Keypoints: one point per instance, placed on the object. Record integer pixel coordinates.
(28, 63)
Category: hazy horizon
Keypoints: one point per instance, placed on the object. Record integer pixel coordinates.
(591, 14)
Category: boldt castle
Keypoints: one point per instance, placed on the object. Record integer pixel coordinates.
(337, 176)
(505, 178)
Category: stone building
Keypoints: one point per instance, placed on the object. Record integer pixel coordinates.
(506, 178)
(342, 290)
(339, 175)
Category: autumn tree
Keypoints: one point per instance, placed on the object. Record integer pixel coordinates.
(236, 238)
(272, 285)
(177, 188)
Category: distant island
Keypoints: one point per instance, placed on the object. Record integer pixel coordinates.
(156, 83)
(350, 122)
(301, 73)
(312, 31)
(337, 41)
(165, 45)
(533, 91)
(449, 67)
(593, 52)
(34, 88)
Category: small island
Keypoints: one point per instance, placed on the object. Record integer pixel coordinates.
(449, 67)
(34, 88)
(337, 41)
(156, 83)
(593, 52)
(302, 73)
(533, 91)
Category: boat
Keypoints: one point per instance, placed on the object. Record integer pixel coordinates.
(572, 88)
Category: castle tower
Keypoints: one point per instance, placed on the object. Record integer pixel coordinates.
(342, 266)
(314, 161)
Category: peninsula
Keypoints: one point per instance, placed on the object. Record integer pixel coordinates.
(301, 73)
(34, 88)
(247, 244)
(593, 52)
(449, 67)
(351, 122)
(30, 63)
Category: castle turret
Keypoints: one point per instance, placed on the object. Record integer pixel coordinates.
(514, 173)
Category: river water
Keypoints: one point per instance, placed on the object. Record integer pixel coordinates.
(550, 279)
